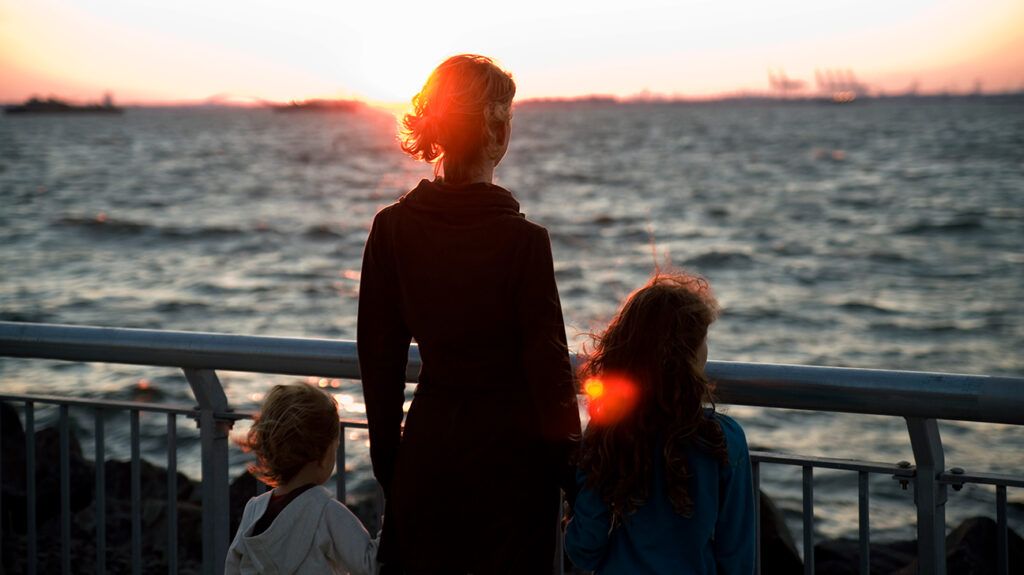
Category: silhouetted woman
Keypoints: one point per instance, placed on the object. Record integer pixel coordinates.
(472, 483)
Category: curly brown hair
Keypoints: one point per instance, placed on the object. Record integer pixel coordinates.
(654, 342)
(456, 114)
(296, 425)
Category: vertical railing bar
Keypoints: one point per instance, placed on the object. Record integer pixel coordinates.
(172, 494)
(65, 493)
(755, 467)
(929, 494)
(101, 495)
(341, 488)
(808, 519)
(1002, 549)
(864, 521)
(213, 438)
(136, 496)
(30, 483)
(1, 483)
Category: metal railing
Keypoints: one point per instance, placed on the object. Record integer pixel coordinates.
(920, 398)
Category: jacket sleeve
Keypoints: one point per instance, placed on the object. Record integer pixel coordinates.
(734, 532)
(350, 544)
(383, 342)
(586, 537)
(549, 374)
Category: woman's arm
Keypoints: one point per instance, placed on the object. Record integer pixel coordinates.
(734, 543)
(549, 374)
(383, 342)
(586, 537)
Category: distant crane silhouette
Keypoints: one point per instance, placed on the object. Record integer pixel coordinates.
(840, 85)
(783, 84)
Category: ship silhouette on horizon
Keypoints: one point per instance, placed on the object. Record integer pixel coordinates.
(53, 105)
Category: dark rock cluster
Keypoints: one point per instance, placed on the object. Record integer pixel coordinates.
(971, 547)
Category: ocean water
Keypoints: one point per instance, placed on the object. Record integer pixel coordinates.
(882, 234)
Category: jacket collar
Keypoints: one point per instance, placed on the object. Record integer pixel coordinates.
(454, 200)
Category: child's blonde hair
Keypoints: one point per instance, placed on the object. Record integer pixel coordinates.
(296, 425)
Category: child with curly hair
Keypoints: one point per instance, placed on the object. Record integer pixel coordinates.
(298, 527)
(665, 480)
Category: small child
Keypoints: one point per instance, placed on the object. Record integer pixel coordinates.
(665, 482)
(298, 527)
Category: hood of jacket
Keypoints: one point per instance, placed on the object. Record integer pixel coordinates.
(282, 548)
(460, 204)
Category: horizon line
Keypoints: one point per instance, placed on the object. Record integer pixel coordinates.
(230, 101)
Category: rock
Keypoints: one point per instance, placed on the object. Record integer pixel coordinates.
(842, 556)
(242, 489)
(367, 509)
(12, 489)
(152, 481)
(47, 469)
(971, 549)
(778, 551)
(82, 475)
(118, 540)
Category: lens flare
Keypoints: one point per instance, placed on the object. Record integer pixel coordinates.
(610, 398)
(594, 388)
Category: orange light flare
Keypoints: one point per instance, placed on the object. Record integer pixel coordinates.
(145, 390)
(610, 398)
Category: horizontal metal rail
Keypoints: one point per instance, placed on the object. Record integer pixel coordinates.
(901, 471)
(176, 408)
(867, 391)
(100, 409)
(920, 398)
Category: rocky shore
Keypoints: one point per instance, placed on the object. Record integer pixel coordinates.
(971, 547)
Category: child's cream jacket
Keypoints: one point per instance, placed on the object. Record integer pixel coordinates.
(313, 534)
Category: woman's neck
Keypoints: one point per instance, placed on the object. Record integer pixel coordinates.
(482, 173)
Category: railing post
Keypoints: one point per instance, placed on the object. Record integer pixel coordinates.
(213, 436)
(929, 495)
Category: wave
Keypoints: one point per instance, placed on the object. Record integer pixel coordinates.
(103, 224)
(958, 224)
(209, 288)
(720, 259)
(772, 315)
(863, 306)
(175, 306)
(26, 316)
(942, 327)
(888, 257)
(323, 232)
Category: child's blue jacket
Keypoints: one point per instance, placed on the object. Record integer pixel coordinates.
(718, 538)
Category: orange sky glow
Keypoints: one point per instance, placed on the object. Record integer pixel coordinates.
(382, 51)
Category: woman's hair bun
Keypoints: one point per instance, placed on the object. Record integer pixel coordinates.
(454, 115)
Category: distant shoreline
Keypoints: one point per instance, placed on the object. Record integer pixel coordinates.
(599, 100)
(766, 99)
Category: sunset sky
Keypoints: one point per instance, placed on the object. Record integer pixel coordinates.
(189, 50)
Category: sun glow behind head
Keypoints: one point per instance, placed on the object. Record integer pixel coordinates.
(610, 398)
